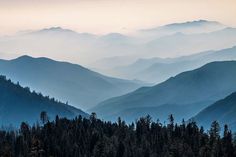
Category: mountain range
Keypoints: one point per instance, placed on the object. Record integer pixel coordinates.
(79, 86)
(85, 48)
(194, 85)
(183, 95)
(18, 104)
(189, 27)
(157, 70)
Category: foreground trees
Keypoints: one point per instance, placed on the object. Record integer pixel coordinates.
(95, 138)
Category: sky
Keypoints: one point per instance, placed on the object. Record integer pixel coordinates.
(105, 16)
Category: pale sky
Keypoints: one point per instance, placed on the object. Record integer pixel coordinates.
(104, 16)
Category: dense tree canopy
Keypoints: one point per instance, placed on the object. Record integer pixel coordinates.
(92, 137)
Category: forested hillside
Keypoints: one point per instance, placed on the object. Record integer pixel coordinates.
(19, 104)
(95, 138)
(80, 86)
(223, 111)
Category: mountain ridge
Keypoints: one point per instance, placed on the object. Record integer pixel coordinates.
(87, 48)
(188, 24)
(159, 69)
(64, 80)
(19, 104)
(201, 85)
(222, 111)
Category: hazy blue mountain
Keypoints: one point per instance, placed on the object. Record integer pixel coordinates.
(52, 42)
(159, 72)
(19, 104)
(197, 88)
(131, 70)
(178, 44)
(115, 37)
(189, 27)
(59, 31)
(55, 42)
(157, 69)
(86, 48)
(108, 65)
(201, 25)
(182, 44)
(65, 81)
(223, 111)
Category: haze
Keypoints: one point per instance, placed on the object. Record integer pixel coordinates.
(104, 16)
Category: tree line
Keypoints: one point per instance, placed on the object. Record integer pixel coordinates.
(92, 137)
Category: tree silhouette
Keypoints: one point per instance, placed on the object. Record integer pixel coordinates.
(44, 117)
(92, 137)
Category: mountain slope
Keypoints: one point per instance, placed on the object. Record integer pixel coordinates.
(182, 44)
(65, 81)
(55, 42)
(158, 70)
(85, 48)
(223, 111)
(18, 104)
(201, 86)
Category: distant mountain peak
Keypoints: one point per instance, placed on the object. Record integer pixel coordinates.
(189, 25)
(193, 23)
(114, 36)
(27, 57)
(198, 21)
(24, 57)
(42, 60)
(59, 31)
(60, 79)
(53, 30)
(229, 29)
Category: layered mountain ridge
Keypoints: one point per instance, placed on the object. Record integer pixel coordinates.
(79, 86)
(188, 92)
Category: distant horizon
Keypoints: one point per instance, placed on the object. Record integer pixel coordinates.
(104, 16)
(84, 65)
(175, 37)
(106, 33)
